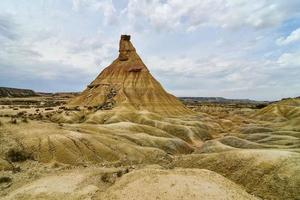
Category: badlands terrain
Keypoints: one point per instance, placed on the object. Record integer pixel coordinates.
(125, 137)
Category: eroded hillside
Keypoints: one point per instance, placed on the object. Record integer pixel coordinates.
(254, 152)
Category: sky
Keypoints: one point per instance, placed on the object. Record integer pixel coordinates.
(226, 48)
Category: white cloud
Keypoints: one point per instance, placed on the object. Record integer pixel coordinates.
(105, 7)
(42, 56)
(230, 77)
(7, 27)
(223, 13)
(190, 67)
(293, 37)
(241, 73)
(289, 60)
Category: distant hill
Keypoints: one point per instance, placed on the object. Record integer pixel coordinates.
(59, 94)
(220, 100)
(15, 92)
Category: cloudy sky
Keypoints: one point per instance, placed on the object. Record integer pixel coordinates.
(229, 48)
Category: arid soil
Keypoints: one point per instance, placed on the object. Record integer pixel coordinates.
(220, 152)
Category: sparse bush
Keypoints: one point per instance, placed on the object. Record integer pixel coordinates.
(25, 120)
(14, 155)
(15, 108)
(82, 118)
(56, 165)
(13, 121)
(111, 177)
(105, 178)
(1, 123)
(40, 116)
(5, 179)
(77, 108)
(120, 173)
(16, 169)
(49, 108)
(20, 114)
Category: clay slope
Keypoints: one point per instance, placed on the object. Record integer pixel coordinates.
(128, 83)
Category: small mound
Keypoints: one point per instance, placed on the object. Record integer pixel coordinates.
(269, 174)
(183, 184)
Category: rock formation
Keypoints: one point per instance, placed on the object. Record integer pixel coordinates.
(128, 83)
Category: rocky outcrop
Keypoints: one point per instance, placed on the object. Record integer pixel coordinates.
(125, 48)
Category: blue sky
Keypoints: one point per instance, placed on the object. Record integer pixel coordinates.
(229, 48)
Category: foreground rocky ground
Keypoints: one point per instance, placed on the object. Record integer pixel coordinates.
(219, 152)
